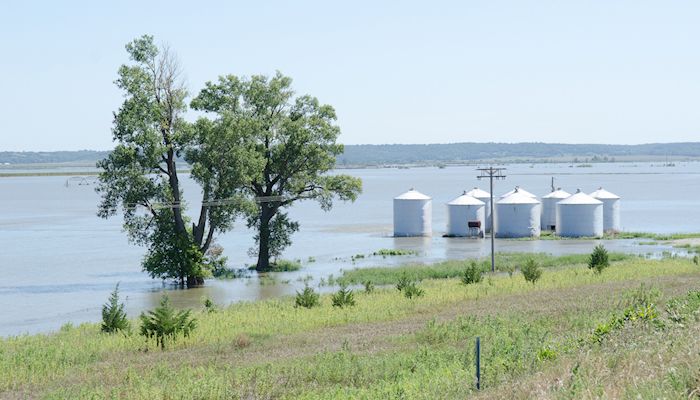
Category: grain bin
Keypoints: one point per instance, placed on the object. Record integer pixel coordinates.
(486, 198)
(579, 215)
(611, 209)
(413, 213)
(518, 215)
(519, 190)
(549, 208)
(464, 214)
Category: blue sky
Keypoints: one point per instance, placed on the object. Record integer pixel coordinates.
(624, 71)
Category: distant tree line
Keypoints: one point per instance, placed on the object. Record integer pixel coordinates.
(367, 154)
(421, 153)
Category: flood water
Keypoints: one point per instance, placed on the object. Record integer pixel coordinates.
(59, 261)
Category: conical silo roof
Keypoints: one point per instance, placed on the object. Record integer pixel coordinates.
(557, 194)
(466, 200)
(521, 191)
(518, 197)
(603, 194)
(580, 198)
(412, 194)
(478, 193)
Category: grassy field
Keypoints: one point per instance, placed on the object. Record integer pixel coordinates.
(631, 332)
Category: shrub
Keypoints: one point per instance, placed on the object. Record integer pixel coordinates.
(166, 323)
(343, 298)
(696, 260)
(599, 259)
(531, 270)
(369, 286)
(209, 305)
(472, 274)
(403, 281)
(285, 266)
(412, 290)
(394, 252)
(113, 315)
(307, 298)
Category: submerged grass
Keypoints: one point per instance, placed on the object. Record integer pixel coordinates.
(386, 346)
(505, 262)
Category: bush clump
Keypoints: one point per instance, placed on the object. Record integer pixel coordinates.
(696, 260)
(285, 266)
(113, 316)
(412, 290)
(307, 298)
(408, 287)
(599, 259)
(209, 305)
(531, 270)
(343, 298)
(369, 286)
(403, 281)
(165, 323)
(472, 274)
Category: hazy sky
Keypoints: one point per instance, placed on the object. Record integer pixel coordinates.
(398, 72)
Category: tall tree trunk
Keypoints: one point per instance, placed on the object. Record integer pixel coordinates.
(175, 189)
(266, 214)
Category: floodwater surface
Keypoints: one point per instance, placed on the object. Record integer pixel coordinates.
(59, 260)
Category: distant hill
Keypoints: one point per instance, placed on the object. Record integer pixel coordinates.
(368, 154)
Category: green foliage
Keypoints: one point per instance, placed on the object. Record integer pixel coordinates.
(394, 252)
(640, 305)
(172, 255)
(531, 270)
(140, 176)
(165, 323)
(681, 310)
(455, 268)
(546, 354)
(412, 290)
(696, 260)
(472, 274)
(285, 266)
(599, 259)
(293, 138)
(343, 298)
(403, 281)
(209, 305)
(216, 263)
(113, 316)
(369, 286)
(307, 298)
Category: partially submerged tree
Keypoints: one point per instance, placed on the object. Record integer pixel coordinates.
(294, 143)
(140, 176)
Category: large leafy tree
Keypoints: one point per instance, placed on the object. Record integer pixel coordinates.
(141, 177)
(294, 142)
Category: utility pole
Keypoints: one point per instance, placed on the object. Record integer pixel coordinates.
(491, 173)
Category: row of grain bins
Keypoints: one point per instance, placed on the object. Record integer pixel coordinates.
(517, 213)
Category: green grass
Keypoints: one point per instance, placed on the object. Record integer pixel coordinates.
(282, 266)
(550, 235)
(394, 252)
(386, 346)
(652, 236)
(505, 262)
